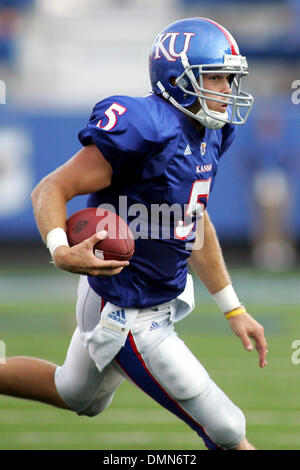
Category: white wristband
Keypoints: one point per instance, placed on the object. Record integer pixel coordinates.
(227, 299)
(55, 238)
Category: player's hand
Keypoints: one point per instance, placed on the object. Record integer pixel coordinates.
(247, 328)
(80, 259)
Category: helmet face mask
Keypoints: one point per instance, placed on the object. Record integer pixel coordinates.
(179, 76)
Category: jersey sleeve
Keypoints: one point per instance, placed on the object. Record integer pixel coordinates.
(122, 131)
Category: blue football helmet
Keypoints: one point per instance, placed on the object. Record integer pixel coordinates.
(186, 50)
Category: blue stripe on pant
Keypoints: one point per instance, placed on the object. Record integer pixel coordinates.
(130, 360)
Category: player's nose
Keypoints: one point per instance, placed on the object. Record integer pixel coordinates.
(226, 87)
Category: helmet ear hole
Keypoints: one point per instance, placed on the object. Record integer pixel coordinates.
(172, 81)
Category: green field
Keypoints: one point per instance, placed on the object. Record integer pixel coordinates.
(37, 318)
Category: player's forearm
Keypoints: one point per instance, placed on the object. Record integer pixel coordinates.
(49, 205)
(208, 263)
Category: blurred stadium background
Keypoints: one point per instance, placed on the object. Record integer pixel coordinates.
(56, 60)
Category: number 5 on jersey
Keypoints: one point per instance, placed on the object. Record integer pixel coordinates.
(111, 114)
(200, 190)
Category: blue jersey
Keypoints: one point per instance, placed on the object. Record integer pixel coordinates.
(163, 171)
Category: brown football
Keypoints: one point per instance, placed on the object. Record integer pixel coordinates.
(119, 244)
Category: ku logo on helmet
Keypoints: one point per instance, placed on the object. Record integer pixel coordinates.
(169, 50)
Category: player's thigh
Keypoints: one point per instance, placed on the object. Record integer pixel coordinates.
(162, 362)
(174, 366)
(185, 379)
(80, 384)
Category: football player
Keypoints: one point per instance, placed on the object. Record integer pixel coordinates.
(161, 148)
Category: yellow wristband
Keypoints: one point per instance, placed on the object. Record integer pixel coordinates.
(235, 311)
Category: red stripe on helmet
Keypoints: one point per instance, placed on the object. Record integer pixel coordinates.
(233, 45)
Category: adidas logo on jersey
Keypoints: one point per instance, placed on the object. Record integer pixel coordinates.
(187, 150)
(154, 325)
(118, 316)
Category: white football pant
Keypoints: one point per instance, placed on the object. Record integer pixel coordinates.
(156, 360)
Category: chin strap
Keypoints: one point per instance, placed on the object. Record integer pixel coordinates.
(209, 121)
